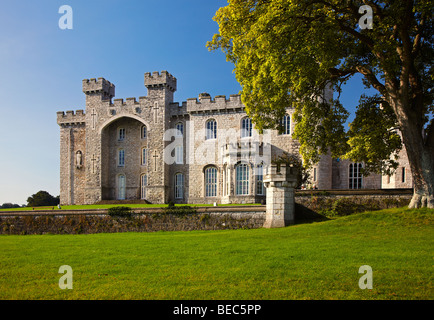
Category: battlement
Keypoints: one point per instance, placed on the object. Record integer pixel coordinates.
(165, 79)
(70, 117)
(100, 85)
(220, 103)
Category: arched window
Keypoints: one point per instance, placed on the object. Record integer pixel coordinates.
(211, 182)
(179, 129)
(121, 187)
(260, 180)
(285, 125)
(211, 129)
(144, 132)
(179, 186)
(242, 179)
(355, 176)
(143, 185)
(246, 127)
(121, 158)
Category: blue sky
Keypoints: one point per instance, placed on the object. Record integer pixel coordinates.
(42, 66)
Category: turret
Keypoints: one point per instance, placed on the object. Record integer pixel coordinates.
(101, 87)
(160, 85)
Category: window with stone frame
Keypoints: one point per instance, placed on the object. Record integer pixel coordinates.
(285, 125)
(121, 158)
(179, 129)
(179, 154)
(211, 129)
(143, 185)
(121, 187)
(355, 179)
(121, 134)
(211, 182)
(144, 132)
(144, 156)
(260, 180)
(179, 186)
(246, 127)
(242, 179)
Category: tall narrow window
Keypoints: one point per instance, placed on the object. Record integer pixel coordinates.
(403, 174)
(242, 179)
(179, 186)
(260, 180)
(211, 129)
(179, 154)
(121, 187)
(144, 132)
(285, 125)
(211, 182)
(143, 184)
(314, 174)
(246, 127)
(355, 176)
(179, 129)
(144, 156)
(121, 134)
(121, 158)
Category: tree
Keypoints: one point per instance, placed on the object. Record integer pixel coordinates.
(42, 198)
(288, 52)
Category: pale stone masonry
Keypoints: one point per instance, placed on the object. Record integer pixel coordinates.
(203, 150)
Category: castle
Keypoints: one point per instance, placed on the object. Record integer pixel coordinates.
(200, 151)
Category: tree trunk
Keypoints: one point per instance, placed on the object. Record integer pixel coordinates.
(420, 153)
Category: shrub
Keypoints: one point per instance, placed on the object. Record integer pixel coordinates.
(123, 212)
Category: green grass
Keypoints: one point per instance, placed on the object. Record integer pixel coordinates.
(107, 206)
(308, 261)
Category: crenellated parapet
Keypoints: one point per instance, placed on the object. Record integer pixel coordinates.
(99, 86)
(220, 104)
(165, 79)
(71, 117)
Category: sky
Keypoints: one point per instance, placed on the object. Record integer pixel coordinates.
(42, 67)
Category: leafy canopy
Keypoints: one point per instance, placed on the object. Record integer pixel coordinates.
(287, 52)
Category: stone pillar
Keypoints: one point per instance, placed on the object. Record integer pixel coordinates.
(280, 183)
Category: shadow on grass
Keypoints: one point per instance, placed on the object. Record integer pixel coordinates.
(305, 215)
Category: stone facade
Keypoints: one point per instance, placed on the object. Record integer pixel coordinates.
(203, 150)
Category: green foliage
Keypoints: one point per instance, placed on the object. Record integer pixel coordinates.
(179, 210)
(42, 198)
(286, 53)
(120, 211)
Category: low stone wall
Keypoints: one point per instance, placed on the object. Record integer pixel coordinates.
(310, 205)
(143, 220)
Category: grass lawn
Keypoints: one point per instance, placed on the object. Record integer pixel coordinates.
(307, 261)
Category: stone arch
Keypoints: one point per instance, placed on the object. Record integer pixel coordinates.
(117, 117)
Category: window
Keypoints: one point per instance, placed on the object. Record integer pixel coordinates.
(211, 129)
(355, 176)
(144, 132)
(314, 174)
(403, 174)
(143, 184)
(179, 154)
(121, 134)
(285, 125)
(144, 156)
(121, 158)
(179, 186)
(180, 129)
(260, 180)
(121, 187)
(246, 127)
(211, 182)
(242, 179)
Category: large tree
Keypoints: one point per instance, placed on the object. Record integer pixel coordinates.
(287, 52)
